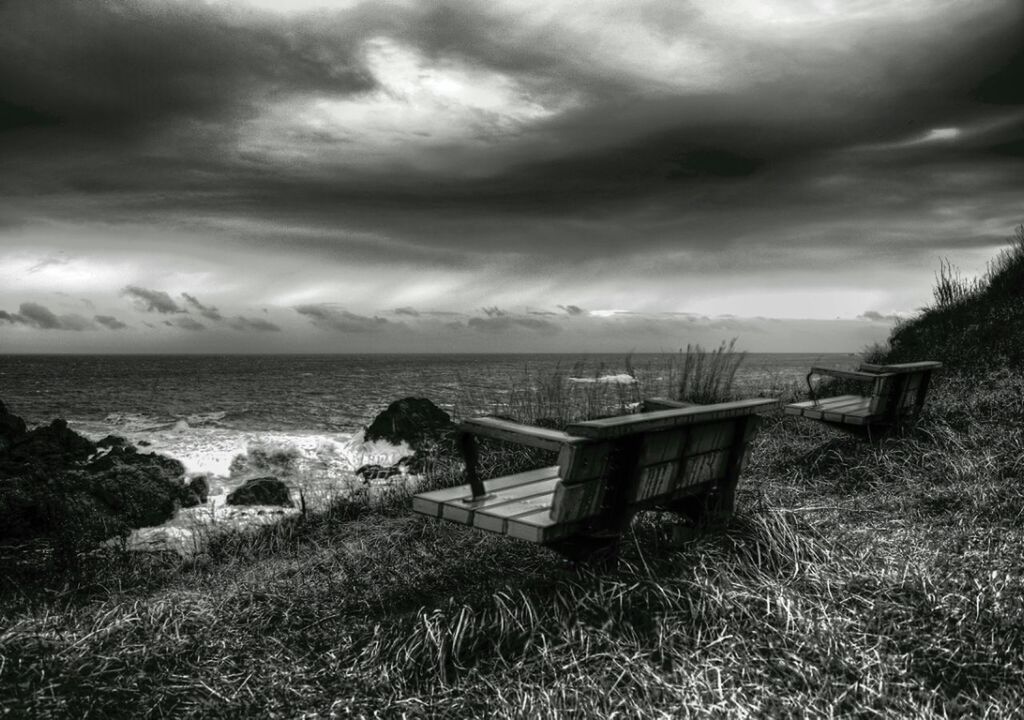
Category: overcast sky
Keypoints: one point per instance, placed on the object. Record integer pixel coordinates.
(533, 175)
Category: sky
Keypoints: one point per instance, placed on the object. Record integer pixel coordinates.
(513, 176)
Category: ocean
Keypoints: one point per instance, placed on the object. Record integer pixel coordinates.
(207, 410)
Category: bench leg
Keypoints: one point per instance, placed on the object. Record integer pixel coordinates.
(470, 455)
(724, 501)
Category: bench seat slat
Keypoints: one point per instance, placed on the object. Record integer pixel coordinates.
(464, 512)
(538, 527)
(852, 409)
(857, 406)
(432, 503)
(796, 408)
(494, 518)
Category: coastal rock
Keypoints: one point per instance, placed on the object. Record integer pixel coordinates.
(415, 421)
(112, 441)
(264, 460)
(12, 427)
(196, 491)
(261, 491)
(378, 472)
(51, 447)
(56, 483)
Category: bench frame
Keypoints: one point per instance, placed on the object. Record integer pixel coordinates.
(673, 456)
(897, 395)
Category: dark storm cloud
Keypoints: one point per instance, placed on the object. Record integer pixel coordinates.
(257, 324)
(572, 309)
(152, 300)
(327, 317)
(494, 312)
(146, 104)
(208, 312)
(110, 322)
(42, 318)
(410, 311)
(119, 68)
(505, 323)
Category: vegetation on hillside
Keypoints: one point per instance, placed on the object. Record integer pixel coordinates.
(973, 324)
(856, 580)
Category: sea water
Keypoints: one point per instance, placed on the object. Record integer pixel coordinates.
(207, 410)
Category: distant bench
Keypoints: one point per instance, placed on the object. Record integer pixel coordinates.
(681, 459)
(894, 400)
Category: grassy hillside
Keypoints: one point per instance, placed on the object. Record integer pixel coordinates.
(973, 324)
(856, 580)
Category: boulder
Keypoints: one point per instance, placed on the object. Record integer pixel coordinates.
(111, 441)
(265, 459)
(261, 491)
(378, 472)
(12, 427)
(196, 491)
(416, 421)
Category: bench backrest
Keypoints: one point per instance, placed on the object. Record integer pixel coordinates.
(900, 389)
(641, 460)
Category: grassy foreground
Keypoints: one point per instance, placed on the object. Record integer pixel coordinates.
(855, 581)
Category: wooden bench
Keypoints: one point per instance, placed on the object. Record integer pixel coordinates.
(897, 394)
(682, 459)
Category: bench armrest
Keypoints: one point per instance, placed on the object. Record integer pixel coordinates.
(660, 403)
(529, 435)
(857, 375)
(845, 374)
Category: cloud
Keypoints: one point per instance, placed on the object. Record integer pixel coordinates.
(410, 311)
(505, 323)
(572, 309)
(208, 312)
(152, 300)
(186, 323)
(326, 317)
(51, 261)
(258, 324)
(111, 322)
(40, 317)
(494, 312)
(875, 316)
(135, 67)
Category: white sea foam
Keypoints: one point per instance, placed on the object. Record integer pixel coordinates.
(321, 469)
(620, 379)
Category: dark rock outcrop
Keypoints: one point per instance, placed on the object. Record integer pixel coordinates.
(263, 460)
(261, 491)
(197, 491)
(416, 421)
(54, 482)
(11, 428)
(378, 472)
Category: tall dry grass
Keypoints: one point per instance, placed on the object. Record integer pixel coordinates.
(572, 393)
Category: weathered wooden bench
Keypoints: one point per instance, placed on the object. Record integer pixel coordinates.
(682, 459)
(897, 394)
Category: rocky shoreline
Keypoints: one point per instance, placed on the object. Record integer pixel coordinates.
(60, 486)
